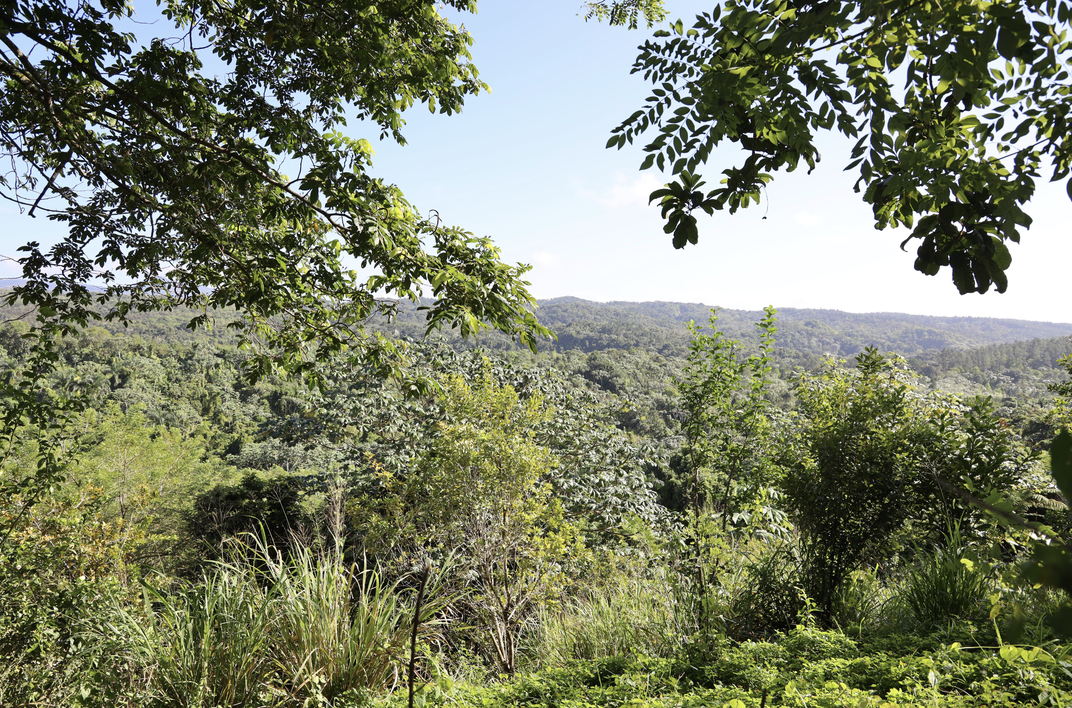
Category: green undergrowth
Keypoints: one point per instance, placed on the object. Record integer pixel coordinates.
(805, 668)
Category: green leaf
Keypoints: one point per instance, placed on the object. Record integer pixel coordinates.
(1002, 258)
(1061, 463)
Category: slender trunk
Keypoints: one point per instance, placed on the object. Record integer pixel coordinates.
(416, 624)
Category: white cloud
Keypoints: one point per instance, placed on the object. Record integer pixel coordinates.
(625, 192)
(546, 259)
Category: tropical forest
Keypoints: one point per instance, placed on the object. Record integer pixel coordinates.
(270, 436)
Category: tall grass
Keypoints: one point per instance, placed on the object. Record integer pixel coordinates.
(632, 615)
(337, 630)
(862, 601)
(759, 590)
(308, 630)
(205, 645)
(943, 586)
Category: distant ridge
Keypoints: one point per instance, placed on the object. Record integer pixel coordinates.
(688, 311)
(659, 327)
(807, 330)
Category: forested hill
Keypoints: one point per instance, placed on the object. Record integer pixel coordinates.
(658, 327)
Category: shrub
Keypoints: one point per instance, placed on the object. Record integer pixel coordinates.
(770, 599)
(853, 476)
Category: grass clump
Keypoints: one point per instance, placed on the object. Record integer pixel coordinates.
(944, 586)
(307, 630)
(630, 616)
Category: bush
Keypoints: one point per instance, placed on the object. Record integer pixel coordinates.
(256, 505)
(770, 599)
(853, 475)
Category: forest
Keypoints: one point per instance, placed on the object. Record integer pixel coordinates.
(742, 524)
(273, 436)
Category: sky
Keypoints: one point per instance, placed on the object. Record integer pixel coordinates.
(526, 165)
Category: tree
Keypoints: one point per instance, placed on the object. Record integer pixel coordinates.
(727, 429)
(853, 478)
(600, 475)
(207, 168)
(480, 489)
(976, 454)
(1062, 412)
(727, 434)
(956, 108)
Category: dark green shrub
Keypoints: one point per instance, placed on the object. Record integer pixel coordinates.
(853, 474)
(771, 599)
(268, 508)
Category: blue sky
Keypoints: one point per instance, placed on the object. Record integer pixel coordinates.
(526, 165)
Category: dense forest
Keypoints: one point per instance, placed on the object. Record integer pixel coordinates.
(272, 436)
(658, 327)
(742, 521)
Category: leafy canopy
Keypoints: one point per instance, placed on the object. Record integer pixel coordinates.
(956, 109)
(853, 466)
(199, 162)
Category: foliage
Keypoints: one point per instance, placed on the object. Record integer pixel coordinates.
(657, 327)
(592, 564)
(625, 12)
(945, 585)
(861, 602)
(480, 488)
(804, 667)
(955, 108)
(726, 427)
(255, 505)
(128, 130)
(164, 161)
(974, 455)
(727, 445)
(599, 476)
(340, 630)
(62, 556)
(1063, 408)
(853, 475)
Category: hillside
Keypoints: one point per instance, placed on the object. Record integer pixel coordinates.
(658, 327)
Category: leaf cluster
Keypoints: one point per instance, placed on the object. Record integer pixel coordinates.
(955, 109)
